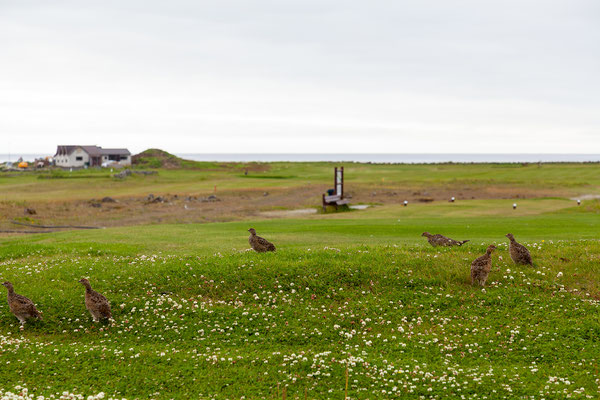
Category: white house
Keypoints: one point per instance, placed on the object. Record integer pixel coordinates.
(90, 156)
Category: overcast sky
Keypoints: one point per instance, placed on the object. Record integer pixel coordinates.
(322, 76)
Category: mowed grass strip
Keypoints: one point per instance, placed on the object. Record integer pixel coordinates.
(478, 221)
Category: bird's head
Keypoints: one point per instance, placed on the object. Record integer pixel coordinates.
(426, 234)
(510, 236)
(490, 249)
(252, 231)
(7, 285)
(84, 282)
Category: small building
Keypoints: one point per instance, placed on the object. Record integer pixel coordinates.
(90, 156)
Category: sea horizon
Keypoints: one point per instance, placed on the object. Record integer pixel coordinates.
(399, 158)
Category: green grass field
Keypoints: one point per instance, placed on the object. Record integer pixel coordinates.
(84, 184)
(357, 293)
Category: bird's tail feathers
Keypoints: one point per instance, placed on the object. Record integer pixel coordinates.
(463, 242)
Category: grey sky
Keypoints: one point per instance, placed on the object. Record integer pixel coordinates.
(301, 76)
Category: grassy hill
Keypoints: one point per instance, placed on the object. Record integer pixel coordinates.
(156, 158)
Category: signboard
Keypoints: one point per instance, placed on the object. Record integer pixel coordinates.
(338, 181)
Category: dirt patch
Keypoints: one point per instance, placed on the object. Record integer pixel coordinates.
(387, 195)
(170, 208)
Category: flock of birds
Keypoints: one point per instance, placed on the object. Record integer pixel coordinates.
(99, 307)
(24, 309)
(481, 266)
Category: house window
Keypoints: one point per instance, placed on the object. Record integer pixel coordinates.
(79, 158)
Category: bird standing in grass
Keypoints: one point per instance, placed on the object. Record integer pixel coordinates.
(518, 252)
(481, 267)
(21, 306)
(96, 303)
(441, 240)
(258, 243)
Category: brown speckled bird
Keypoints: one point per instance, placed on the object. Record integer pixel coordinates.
(21, 306)
(518, 252)
(441, 240)
(259, 244)
(481, 267)
(96, 304)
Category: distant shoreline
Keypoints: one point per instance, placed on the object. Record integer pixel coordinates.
(394, 158)
(368, 158)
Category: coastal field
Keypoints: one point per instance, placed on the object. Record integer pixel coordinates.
(352, 305)
(264, 190)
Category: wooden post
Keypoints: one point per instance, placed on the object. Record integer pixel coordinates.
(335, 180)
(338, 181)
(342, 183)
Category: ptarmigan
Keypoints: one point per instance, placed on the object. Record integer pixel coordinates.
(518, 252)
(259, 244)
(96, 304)
(481, 267)
(441, 240)
(21, 306)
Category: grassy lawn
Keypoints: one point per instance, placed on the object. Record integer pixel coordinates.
(198, 316)
(85, 184)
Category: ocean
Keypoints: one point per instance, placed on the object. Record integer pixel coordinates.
(367, 158)
(398, 158)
